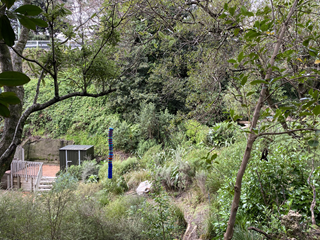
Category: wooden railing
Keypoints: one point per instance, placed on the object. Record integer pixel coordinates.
(27, 170)
(39, 176)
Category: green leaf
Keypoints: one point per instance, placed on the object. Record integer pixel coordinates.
(304, 114)
(308, 104)
(306, 42)
(243, 10)
(223, 15)
(252, 34)
(39, 22)
(255, 82)
(214, 156)
(244, 80)
(225, 6)
(236, 31)
(29, 10)
(240, 57)
(9, 98)
(313, 53)
(161, 35)
(7, 32)
(313, 143)
(232, 10)
(316, 110)
(249, 94)
(13, 79)
(232, 61)
(8, 3)
(4, 111)
(249, 14)
(27, 22)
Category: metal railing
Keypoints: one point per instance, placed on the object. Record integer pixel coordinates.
(45, 44)
(27, 170)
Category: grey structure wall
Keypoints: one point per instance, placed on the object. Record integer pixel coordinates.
(75, 154)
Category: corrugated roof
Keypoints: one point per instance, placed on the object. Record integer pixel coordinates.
(76, 147)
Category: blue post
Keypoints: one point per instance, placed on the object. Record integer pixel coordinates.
(110, 153)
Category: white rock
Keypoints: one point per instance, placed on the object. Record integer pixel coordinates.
(144, 187)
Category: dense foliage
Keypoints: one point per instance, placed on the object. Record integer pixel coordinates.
(184, 77)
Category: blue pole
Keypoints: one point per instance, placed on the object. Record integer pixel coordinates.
(110, 153)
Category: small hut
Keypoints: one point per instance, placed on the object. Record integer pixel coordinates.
(75, 155)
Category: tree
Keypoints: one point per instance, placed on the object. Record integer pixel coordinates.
(271, 57)
(276, 59)
(110, 17)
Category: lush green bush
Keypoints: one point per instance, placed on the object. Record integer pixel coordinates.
(176, 174)
(76, 171)
(270, 188)
(90, 170)
(223, 134)
(116, 185)
(64, 181)
(127, 165)
(162, 219)
(196, 132)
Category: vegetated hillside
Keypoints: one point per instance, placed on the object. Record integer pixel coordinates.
(192, 167)
(179, 80)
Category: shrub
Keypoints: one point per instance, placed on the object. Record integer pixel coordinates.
(128, 165)
(145, 145)
(223, 134)
(89, 168)
(116, 185)
(196, 132)
(75, 171)
(65, 181)
(134, 178)
(176, 176)
(126, 137)
(162, 219)
(153, 157)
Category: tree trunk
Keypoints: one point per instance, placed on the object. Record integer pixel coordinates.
(12, 64)
(252, 137)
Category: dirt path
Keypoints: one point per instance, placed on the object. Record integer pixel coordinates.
(49, 170)
(194, 214)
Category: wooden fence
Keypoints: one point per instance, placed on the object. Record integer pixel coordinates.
(26, 172)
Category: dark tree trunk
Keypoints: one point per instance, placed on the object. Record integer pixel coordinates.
(12, 63)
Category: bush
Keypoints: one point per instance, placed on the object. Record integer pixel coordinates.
(196, 132)
(75, 171)
(223, 134)
(65, 181)
(116, 185)
(134, 178)
(153, 157)
(177, 176)
(89, 168)
(145, 145)
(128, 165)
(162, 219)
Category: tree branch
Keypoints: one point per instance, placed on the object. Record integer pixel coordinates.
(287, 132)
(260, 231)
(38, 107)
(32, 60)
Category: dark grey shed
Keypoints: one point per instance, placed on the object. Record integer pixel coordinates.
(75, 155)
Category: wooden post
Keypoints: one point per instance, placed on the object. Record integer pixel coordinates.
(18, 182)
(8, 181)
(31, 184)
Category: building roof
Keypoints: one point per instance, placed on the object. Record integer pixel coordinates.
(76, 147)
